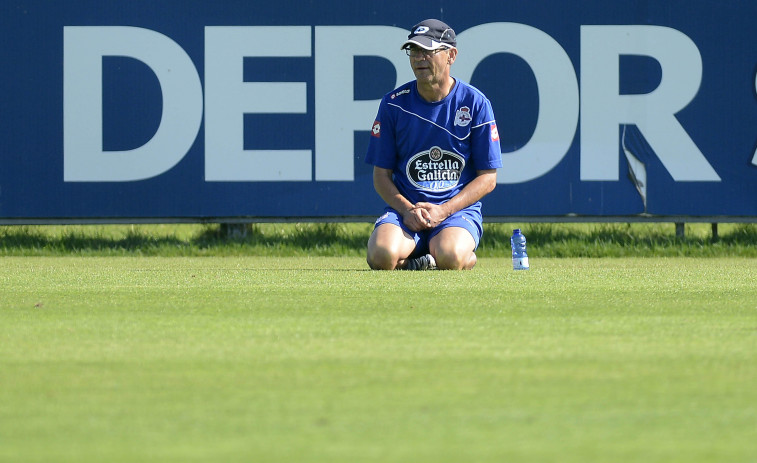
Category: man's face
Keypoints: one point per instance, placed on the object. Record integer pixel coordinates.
(429, 66)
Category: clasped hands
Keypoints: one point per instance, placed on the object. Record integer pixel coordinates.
(424, 216)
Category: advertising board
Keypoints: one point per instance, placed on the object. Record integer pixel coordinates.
(202, 110)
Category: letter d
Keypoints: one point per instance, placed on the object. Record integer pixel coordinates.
(83, 157)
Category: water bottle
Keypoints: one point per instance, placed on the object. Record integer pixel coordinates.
(518, 244)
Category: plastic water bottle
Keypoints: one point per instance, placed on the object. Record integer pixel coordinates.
(518, 244)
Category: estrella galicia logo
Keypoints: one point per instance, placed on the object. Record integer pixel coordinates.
(435, 169)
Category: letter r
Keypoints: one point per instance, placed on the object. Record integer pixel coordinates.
(603, 108)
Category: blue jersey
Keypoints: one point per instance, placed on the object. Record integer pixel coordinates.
(434, 149)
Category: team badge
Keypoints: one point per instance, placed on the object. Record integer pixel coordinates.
(463, 117)
(376, 129)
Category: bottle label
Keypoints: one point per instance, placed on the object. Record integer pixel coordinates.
(520, 263)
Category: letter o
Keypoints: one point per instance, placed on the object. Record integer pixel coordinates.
(558, 92)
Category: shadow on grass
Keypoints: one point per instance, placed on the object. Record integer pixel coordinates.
(24, 238)
(596, 240)
(745, 234)
(335, 239)
(318, 239)
(308, 236)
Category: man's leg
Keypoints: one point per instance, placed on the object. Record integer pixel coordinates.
(389, 247)
(453, 248)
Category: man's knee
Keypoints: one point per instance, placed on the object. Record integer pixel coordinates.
(380, 258)
(453, 249)
(388, 247)
(455, 259)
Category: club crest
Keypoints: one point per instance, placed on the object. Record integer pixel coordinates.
(463, 116)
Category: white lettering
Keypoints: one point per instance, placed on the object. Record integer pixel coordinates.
(754, 158)
(558, 93)
(437, 175)
(603, 108)
(84, 159)
(337, 114)
(228, 98)
(443, 165)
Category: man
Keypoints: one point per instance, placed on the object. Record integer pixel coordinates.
(435, 150)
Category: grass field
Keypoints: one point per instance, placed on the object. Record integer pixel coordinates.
(316, 359)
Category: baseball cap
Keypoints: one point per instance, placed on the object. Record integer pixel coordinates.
(431, 34)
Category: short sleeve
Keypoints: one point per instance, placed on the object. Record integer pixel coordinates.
(382, 151)
(485, 147)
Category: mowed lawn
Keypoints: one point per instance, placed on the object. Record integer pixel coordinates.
(226, 359)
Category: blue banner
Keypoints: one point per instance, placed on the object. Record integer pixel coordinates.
(209, 110)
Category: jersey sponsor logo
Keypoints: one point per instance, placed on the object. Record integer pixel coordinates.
(463, 117)
(495, 132)
(435, 169)
(376, 129)
(401, 92)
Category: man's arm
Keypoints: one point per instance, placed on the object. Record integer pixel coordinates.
(479, 187)
(414, 218)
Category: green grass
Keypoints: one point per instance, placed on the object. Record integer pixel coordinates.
(349, 239)
(316, 359)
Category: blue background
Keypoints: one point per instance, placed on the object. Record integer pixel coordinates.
(721, 120)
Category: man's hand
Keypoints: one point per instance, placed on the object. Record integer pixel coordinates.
(417, 219)
(433, 214)
(423, 215)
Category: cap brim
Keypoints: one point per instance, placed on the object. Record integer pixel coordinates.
(425, 42)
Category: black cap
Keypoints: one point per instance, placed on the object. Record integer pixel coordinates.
(431, 34)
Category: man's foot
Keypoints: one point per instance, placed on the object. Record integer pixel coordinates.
(426, 262)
